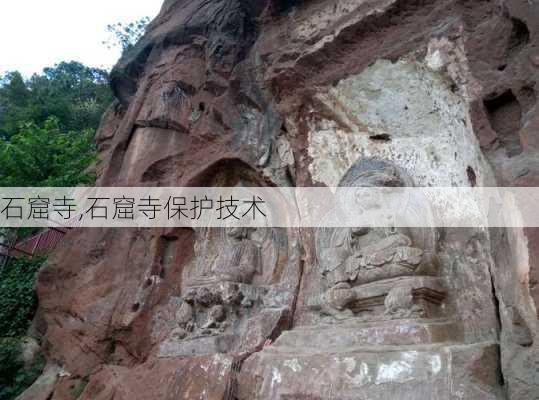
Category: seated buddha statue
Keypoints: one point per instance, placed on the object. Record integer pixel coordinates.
(360, 255)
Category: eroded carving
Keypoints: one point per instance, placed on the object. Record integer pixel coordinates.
(231, 293)
(363, 255)
(238, 262)
(350, 258)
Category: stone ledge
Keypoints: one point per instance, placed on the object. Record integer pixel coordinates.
(394, 332)
(440, 372)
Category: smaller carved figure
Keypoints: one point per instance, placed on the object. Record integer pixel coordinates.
(207, 311)
(204, 297)
(336, 299)
(239, 261)
(216, 319)
(399, 303)
(185, 318)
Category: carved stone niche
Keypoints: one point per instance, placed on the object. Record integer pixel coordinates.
(378, 328)
(238, 290)
(377, 273)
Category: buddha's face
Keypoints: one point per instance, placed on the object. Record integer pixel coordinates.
(239, 233)
(236, 232)
(367, 199)
(373, 191)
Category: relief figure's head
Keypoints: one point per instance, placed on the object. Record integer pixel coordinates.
(239, 232)
(365, 175)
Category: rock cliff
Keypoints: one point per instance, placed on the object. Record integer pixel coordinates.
(286, 93)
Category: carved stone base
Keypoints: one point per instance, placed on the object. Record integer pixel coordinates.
(330, 338)
(257, 330)
(228, 317)
(427, 293)
(403, 297)
(439, 372)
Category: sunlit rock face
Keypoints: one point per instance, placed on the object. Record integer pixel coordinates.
(403, 112)
(274, 92)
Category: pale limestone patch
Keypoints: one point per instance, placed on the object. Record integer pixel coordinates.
(275, 377)
(395, 372)
(350, 364)
(401, 112)
(436, 364)
(364, 376)
(293, 364)
(428, 126)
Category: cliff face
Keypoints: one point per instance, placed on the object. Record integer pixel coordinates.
(275, 92)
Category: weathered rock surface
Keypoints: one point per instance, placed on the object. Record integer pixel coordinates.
(291, 92)
(413, 372)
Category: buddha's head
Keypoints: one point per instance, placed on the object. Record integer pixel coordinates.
(238, 232)
(365, 174)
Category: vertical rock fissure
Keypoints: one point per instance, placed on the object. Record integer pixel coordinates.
(497, 301)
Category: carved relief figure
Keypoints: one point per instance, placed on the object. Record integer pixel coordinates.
(185, 318)
(239, 259)
(226, 290)
(351, 257)
(363, 255)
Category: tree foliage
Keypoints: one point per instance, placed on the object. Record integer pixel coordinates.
(17, 298)
(15, 377)
(125, 36)
(46, 156)
(75, 94)
(18, 303)
(47, 124)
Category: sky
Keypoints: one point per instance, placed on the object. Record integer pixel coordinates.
(39, 33)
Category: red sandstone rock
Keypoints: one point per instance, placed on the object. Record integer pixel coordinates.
(204, 99)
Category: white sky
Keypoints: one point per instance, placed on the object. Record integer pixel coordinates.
(39, 33)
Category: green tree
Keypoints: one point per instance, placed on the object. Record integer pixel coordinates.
(47, 125)
(14, 99)
(125, 36)
(15, 90)
(46, 156)
(18, 303)
(75, 94)
(15, 377)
